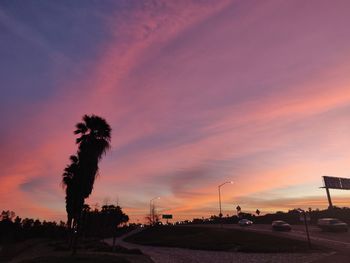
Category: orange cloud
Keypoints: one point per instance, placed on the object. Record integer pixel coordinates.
(196, 94)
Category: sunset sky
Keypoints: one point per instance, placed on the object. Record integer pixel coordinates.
(197, 93)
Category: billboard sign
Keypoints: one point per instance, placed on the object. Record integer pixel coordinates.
(336, 182)
(345, 183)
(167, 216)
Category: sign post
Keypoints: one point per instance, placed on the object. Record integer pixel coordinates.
(305, 217)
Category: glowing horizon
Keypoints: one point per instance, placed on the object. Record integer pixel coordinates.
(197, 93)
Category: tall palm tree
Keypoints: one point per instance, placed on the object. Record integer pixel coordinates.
(79, 176)
(94, 141)
(69, 182)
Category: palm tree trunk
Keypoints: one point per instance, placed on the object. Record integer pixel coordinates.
(70, 234)
(74, 240)
(76, 228)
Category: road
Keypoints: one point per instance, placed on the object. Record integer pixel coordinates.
(180, 255)
(338, 241)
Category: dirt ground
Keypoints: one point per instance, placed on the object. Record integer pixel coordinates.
(32, 249)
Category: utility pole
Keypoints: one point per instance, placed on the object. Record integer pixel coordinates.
(219, 188)
(220, 214)
(151, 210)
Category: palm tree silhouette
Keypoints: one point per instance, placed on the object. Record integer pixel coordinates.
(79, 176)
(94, 141)
(69, 181)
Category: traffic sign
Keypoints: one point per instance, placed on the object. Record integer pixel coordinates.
(307, 216)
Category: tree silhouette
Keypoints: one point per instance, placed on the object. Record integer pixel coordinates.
(14, 229)
(153, 218)
(79, 176)
(94, 141)
(7, 215)
(69, 181)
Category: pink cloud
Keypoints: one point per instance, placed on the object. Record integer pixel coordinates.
(196, 94)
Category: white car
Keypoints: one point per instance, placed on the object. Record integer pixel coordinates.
(332, 225)
(245, 222)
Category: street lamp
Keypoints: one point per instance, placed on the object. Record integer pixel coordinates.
(230, 182)
(151, 213)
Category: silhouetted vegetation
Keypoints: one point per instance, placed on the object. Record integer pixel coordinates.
(95, 223)
(153, 218)
(292, 217)
(103, 223)
(14, 228)
(70, 181)
(79, 176)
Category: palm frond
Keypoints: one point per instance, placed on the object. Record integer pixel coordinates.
(74, 159)
(80, 128)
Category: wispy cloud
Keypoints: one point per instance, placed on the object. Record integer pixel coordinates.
(197, 92)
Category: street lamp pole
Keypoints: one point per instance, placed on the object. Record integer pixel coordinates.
(219, 188)
(151, 212)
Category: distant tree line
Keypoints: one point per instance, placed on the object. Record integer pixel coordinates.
(95, 223)
(291, 217)
(13, 228)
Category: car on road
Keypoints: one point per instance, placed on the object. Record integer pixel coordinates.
(280, 225)
(332, 225)
(245, 222)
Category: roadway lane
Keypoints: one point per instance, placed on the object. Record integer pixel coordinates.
(182, 255)
(338, 241)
